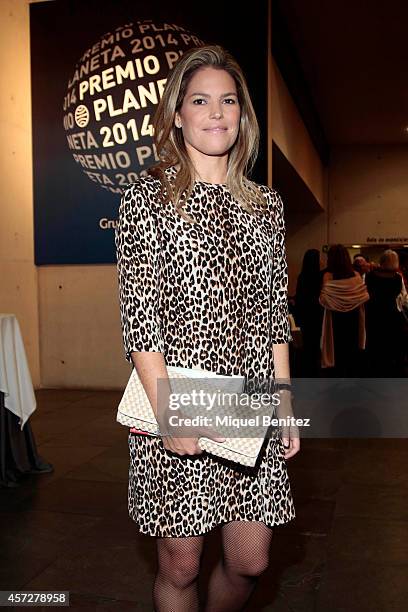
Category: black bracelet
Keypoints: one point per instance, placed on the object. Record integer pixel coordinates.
(283, 386)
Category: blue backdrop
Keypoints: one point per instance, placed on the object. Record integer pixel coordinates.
(97, 72)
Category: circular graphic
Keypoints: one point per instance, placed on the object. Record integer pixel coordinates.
(112, 96)
(81, 116)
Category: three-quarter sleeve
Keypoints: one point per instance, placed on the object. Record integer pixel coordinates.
(280, 314)
(137, 250)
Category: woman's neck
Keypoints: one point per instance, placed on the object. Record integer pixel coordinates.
(206, 176)
(209, 168)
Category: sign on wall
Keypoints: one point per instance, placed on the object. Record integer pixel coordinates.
(112, 95)
(387, 239)
(98, 73)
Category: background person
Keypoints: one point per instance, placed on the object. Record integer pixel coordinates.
(343, 296)
(361, 265)
(386, 335)
(309, 312)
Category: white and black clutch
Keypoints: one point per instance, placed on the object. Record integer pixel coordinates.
(136, 411)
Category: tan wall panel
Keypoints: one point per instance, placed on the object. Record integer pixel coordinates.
(292, 137)
(368, 193)
(81, 341)
(18, 290)
(18, 295)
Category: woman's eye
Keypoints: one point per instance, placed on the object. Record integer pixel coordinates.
(199, 101)
(230, 100)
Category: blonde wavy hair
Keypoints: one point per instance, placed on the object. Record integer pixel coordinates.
(169, 140)
(389, 260)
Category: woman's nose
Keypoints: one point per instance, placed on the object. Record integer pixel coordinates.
(216, 112)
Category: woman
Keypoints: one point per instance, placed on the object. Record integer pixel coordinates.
(343, 296)
(309, 312)
(385, 323)
(196, 243)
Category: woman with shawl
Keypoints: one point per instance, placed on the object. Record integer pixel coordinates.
(343, 296)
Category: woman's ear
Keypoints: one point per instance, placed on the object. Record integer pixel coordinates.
(177, 120)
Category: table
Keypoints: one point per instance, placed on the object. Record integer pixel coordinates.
(18, 451)
(15, 379)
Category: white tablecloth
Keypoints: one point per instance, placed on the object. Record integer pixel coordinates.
(15, 378)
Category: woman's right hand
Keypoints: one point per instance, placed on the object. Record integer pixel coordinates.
(190, 446)
(181, 446)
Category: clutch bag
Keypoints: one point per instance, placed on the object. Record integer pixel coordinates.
(135, 410)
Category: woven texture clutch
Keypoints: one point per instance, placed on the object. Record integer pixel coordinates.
(136, 411)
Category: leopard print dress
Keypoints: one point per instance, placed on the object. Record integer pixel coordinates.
(201, 294)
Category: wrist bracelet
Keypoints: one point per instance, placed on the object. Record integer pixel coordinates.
(283, 386)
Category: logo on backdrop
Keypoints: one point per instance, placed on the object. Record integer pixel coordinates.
(112, 96)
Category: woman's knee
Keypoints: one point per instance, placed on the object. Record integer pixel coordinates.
(179, 568)
(253, 565)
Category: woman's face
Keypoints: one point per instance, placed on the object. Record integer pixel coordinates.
(210, 113)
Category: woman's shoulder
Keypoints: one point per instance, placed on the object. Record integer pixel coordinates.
(140, 199)
(264, 188)
(270, 193)
(273, 200)
(142, 196)
(143, 186)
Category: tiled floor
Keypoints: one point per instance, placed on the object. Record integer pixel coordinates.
(346, 551)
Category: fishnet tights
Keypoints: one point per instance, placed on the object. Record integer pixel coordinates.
(246, 554)
(175, 585)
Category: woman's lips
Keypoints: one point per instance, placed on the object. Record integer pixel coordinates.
(215, 130)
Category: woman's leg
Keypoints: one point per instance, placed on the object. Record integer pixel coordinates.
(175, 585)
(246, 556)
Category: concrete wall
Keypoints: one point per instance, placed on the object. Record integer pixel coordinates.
(292, 138)
(368, 199)
(305, 228)
(81, 341)
(18, 286)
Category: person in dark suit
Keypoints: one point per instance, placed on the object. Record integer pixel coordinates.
(385, 324)
(361, 265)
(309, 313)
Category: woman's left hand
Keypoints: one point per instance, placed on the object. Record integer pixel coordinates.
(291, 445)
(290, 432)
